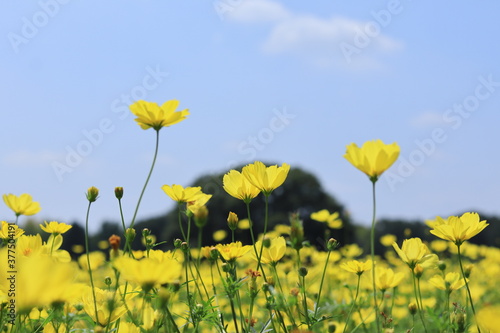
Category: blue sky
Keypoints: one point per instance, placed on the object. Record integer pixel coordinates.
(266, 80)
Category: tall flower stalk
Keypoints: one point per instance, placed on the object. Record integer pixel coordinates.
(458, 230)
(373, 158)
(92, 194)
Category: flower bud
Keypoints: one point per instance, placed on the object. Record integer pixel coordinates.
(441, 265)
(467, 270)
(107, 281)
(412, 307)
(92, 194)
(201, 216)
(177, 243)
(119, 192)
(232, 221)
(114, 242)
(130, 235)
(418, 270)
(303, 271)
(332, 244)
(266, 242)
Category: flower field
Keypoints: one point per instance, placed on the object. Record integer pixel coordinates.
(276, 283)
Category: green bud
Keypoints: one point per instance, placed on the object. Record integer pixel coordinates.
(92, 194)
(119, 192)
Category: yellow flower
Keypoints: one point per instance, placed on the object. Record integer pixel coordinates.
(487, 317)
(149, 272)
(273, 253)
(373, 158)
(386, 278)
(414, 252)
(97, 259)
(39, 281)
(324, 215)
(233, 250)
(201, 200)
(54, 227)
(10, 231)
(266, 179)
(452, 281)
(219, 235)
(150, 114)
(21, 205)
(109, 304)
(181, 194)
(357, 267)
(387, 240)
(458, 229)
(239, 187)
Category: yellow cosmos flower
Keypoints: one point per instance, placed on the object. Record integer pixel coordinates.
(452, 281)
(266, 179)
(373, 158)
(388, 239)
(54, 227)
(355, 266)
(239, 187)
(386, 278)
(109, 304)
(233, 250)
(200, 201)
(148, 272)
(150, 114)
(97, 259)
(9, 230)
(21, 205)
(219, 235)
(181, 194)
(414, 251)
(458, 229)
(273, 253)
(324, 215)
(487, 317)
(39, 280)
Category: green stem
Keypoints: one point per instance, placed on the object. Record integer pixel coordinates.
(179, 217)
(88, 260)
(419, 305)
(353, 304)
(467, 286)
(321, 284)
(372, 255)
(147, 179)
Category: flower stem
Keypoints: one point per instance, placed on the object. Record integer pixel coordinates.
(419, 305)
(321, 284)
(467, 286)
(372, 255)
(147, 179)
(87, 250)
(352, 305)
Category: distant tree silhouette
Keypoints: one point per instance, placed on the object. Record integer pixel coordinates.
(301, 193)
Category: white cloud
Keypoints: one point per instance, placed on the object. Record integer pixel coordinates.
(325, 42)
(23, 158)
(258, 11)
(322, 40)
(428, 119)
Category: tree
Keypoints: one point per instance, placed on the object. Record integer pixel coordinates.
(301, 193)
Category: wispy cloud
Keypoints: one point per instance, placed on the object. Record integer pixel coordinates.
(428, 119)
(31, 159)
(259, 11)
(320, 41)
